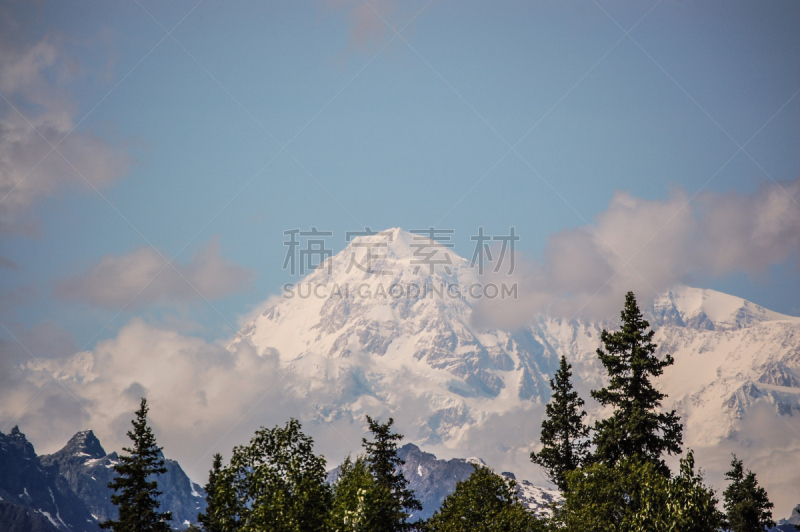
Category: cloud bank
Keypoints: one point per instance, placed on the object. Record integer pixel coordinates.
(650, 245)
(143, 278)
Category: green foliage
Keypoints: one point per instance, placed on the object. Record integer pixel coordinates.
(564, 436)
(485, 502)
(636, 428)
(602, 497)
(275, 484)
(135, 485)
(211, 519)
(384, 463)
(633, 496)
(681, 504)
(357, 499)
(747, 507)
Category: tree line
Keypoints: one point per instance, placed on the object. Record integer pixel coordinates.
(612, 476)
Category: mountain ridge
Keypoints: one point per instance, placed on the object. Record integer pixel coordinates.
(461, 385)
(68, 490)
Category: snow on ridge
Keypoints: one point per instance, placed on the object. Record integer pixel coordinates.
(47, 515)
(358, 356)
(709, 309)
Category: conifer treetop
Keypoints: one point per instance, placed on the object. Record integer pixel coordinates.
(637, 427)
(136, 486)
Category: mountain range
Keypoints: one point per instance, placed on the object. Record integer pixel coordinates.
(67, 491)
(394, 340)
(357, 342)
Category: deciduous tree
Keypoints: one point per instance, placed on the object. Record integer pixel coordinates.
(485, 502)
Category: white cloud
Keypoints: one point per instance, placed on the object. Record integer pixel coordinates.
(144, 277)
(647, 246)
(203, 397)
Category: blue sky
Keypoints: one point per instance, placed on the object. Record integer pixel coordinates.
(249, 119)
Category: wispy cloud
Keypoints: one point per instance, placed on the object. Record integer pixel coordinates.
(144, 276)
(37, 113)
(367, 26)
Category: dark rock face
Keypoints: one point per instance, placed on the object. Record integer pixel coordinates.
(83, 463)
(88, 469)
(181, 496)
(69, 489)
(16, 518)
(26, 482)
(431, 479)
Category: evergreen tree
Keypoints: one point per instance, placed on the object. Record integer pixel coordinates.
(135, 485)
(485, 502)
(747, 507)
(636, 428)
(563, 436)
(384, 465)
(276, 484)
(211, 519)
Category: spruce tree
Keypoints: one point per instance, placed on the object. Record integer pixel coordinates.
(136, 484)
(747, 507)
(636, 428)
(210, 520)
(384, 465)
(563, 436)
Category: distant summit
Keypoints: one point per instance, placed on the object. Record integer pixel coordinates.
(67, 491)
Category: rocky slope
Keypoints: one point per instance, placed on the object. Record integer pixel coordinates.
(68, 489)
(18, 518)
(27, 482)
(88, 469)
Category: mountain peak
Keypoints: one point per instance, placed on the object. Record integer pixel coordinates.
(703, 308)
(84, 443)
(376, 256)
(16, 439)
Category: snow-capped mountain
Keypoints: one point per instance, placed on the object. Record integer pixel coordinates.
(396, 340)
(368, 346)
